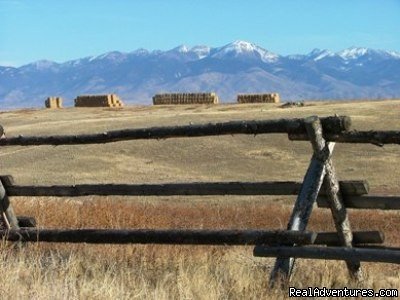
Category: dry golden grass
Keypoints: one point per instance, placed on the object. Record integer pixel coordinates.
(49, 271)
(66, 271)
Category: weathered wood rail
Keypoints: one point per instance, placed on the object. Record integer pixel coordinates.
(353, 188)
(185, 237)
(320, 185)
(253, 127)
(385, 255)
(367, 202)
(378, 138)
(151, 236)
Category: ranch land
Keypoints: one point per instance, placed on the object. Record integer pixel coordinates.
(83, 271)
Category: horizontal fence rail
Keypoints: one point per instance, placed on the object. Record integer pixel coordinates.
(359, 237)
(378, 138)
(366, 202)
(254, 127)
(149, 236)
(385, 255)
(185, 236)
(170, 189)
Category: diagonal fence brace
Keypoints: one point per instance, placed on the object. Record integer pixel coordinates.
(334, 196)
(320, 171)
(306, 198)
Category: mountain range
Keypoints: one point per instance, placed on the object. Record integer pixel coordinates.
(238, 67)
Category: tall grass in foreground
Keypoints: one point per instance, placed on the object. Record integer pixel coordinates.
(168, 272)
(79, 271)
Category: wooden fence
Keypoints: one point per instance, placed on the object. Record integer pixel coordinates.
(319, 185)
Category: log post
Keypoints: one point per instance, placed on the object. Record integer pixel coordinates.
(7, 212)
(334, 196)
(304, 203)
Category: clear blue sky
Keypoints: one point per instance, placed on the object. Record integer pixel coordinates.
(62, 30)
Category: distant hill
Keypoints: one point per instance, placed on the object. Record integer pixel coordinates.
(239, 67)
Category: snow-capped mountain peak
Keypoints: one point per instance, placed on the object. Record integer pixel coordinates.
(181, 49)
(394, 54)
(201, 51)
(115, 56)
(239, 47)
(318, 54)
(140, 51)
(43, 64)
(353, 53)
(245, 49)
(40, 65)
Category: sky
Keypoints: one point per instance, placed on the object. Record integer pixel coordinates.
(62, 30)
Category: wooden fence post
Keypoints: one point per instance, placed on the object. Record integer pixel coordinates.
(7, 212)
(304, 203)
(334, 195)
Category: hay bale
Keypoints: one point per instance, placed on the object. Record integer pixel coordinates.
(53, 102)
(108, 100)
(185, 98)
(258, 98)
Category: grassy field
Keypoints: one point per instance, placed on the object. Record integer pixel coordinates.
(55, 271)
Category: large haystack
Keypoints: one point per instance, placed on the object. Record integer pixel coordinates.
(258, 98)
(53, 102)
(185, 98)
(110, 100)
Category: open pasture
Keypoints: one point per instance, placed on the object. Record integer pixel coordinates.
(87, 271)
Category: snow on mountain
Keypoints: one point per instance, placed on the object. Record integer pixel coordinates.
(180, 49)
(112, 56)
(245, 50)
(41, 65)
(318, 54)
(201, 51)
(394, 54)
(239, 47)
(77, 62)
(353, 53)
(296, 56)
(236, 67)
(140, 52)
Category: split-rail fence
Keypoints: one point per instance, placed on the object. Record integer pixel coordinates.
(320, 185)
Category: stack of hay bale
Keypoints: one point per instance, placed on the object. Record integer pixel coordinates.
(110, 100)
(185, 98)
(258, 98)
(53, 102)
